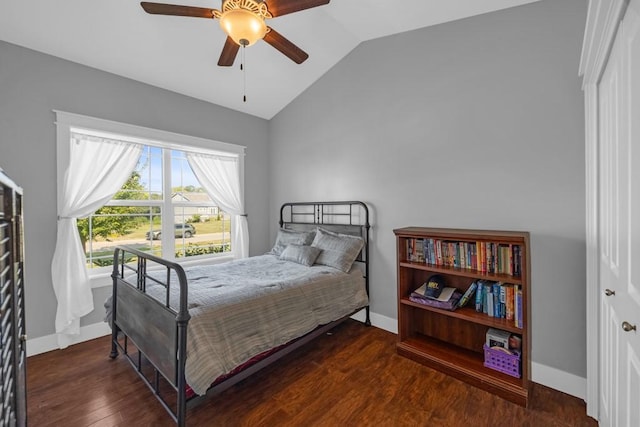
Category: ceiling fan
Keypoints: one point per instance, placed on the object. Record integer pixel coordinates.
(244, 23)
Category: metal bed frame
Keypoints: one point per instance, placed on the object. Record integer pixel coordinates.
(158, 332)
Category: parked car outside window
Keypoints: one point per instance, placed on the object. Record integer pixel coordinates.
(180, 230)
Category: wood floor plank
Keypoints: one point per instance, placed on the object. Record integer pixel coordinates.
(351, 377)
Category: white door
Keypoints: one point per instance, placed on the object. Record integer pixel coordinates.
(619, 234)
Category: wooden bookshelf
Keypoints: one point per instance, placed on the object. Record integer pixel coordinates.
(452, 341)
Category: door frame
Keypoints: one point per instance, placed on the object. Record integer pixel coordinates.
(603, 19)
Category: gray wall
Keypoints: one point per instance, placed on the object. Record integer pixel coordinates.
(33, 84)
(476, 123)
(472, 124)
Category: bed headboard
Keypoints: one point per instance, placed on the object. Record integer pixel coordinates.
(351, 217)
(340, 217)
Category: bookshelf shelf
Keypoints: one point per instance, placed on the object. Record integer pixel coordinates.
(461, 272)
(452, 341)
(470, 315)
(463, 364)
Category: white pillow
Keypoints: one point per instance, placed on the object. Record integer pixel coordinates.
(338, 250)
(305, 255)
(286, 237)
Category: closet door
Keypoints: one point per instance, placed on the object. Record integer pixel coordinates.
(628, 304)
(619, 186)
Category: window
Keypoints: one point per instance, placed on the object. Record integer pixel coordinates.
(162, 208)
(195, 226)
(106, 172)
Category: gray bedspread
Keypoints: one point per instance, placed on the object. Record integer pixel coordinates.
(242, 308)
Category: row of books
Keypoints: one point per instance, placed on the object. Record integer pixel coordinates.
(498, 299)
(485, 257)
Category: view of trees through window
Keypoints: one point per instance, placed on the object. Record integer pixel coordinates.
(136, 214)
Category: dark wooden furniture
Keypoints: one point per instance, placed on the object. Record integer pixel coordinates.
(452, 341)
(150, 333)
(12, 327)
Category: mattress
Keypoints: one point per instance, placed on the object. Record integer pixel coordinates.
(242, 308)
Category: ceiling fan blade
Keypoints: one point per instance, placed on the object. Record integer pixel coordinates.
(229, 52)
(289, 49)
(177, 10)
(283, 7)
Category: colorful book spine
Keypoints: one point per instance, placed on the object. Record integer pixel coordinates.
(485, 296)
(474, 256)
(487, 254)
(496, 299)
(490, 301)
(517, 261)
(432, 252)
(479, 293)
(518, 307)
(509, 301)
(467, 295)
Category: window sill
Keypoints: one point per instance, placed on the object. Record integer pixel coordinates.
(103, 278)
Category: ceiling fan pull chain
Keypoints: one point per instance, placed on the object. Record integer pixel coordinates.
(244, 75)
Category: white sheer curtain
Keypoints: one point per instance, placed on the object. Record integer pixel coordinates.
(97, 169)
(220, 177)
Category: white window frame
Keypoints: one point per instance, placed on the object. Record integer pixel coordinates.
(66, 123)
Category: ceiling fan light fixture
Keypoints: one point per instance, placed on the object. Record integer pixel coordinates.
(243, 27)
(243, 20)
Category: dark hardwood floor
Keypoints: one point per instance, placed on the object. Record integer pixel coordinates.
(352, 377)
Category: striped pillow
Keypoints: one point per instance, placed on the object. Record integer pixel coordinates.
(338, 250)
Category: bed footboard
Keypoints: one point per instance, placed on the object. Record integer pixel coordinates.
(158, 330)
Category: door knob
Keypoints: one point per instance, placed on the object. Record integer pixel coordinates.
(609, 292)
(628, 327)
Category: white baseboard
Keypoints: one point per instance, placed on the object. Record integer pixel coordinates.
(551, 377)
(559, 380)
(50, 342)
(379, 321)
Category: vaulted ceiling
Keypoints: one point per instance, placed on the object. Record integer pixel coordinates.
(181, 53)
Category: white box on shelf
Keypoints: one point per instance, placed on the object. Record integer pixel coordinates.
(498, 338)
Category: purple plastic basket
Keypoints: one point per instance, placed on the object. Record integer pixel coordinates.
(500, 361)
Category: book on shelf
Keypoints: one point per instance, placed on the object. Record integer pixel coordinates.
(518, 315)
(415, 250)
(496, 299)
(486, 292)
(490, 301)
(501, 300)
(517, 261)
(509, 301)
(468, 294)
(479, 291)
(484, 257)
